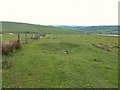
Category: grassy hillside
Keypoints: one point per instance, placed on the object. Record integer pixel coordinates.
(24, 27)
(91, 62)
(41, 64)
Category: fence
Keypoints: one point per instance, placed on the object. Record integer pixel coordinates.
(25, 37)
(22, 38)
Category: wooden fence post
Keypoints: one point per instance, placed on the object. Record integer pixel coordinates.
(18, 38)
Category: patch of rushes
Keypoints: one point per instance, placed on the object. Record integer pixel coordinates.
(108, 47)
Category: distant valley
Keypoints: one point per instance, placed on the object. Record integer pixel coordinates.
(94, 29)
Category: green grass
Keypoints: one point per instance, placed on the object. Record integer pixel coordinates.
(41, 64)
(24, 27)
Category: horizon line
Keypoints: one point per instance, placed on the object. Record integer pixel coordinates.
(56, 24)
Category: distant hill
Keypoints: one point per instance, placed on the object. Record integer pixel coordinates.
(25, 27)
(94, 29)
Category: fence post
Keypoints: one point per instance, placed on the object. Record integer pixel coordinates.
(18, 38)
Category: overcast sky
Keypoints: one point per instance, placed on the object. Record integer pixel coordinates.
(60, 12)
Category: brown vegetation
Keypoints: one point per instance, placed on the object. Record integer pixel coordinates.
(9, 46)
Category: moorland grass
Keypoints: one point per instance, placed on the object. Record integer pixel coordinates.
(41, 64)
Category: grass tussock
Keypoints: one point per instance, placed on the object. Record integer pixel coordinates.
(6, 64)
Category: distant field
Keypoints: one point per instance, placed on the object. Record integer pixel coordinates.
(42, 63)
(106, 29)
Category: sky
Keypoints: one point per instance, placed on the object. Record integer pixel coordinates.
(60, 12)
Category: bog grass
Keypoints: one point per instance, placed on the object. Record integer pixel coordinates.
(42, 64)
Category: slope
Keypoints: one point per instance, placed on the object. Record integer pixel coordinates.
(24, 27)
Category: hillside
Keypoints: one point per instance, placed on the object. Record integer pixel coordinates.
(94, 29)
(59, 59)
(91, 62)
(24, 27)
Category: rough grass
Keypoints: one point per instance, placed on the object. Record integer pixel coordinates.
(41, 63)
